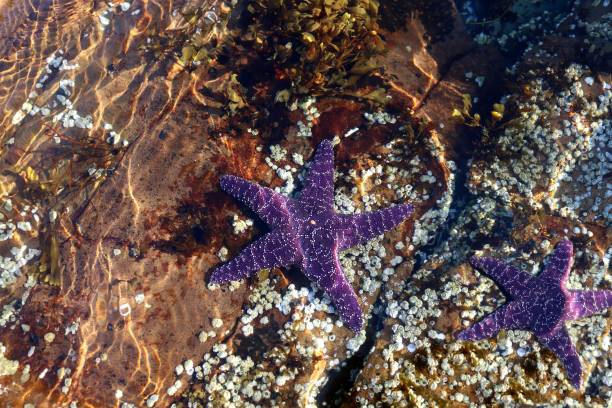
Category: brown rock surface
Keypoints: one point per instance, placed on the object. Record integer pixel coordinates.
(138, 225)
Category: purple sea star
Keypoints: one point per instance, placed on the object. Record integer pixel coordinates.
(306, 231)
(540, 304)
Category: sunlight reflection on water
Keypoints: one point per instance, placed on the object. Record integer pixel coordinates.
(79, 91)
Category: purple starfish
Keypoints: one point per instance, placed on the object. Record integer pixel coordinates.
(306, 231)
(540, 304)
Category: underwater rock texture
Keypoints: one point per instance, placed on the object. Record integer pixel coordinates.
(118, 121)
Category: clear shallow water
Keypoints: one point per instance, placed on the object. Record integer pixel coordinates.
(112, 150)
(80, 90)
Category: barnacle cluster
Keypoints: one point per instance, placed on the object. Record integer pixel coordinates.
(110, 191)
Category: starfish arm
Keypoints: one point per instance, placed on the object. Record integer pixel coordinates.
(505, 317)
(360, 228)
(560, 343)
(586, 303)
(510, 279)
(345, 301)
(319, 186)
(559, 263)
(321, 265)
(268, 204)
(272, 250)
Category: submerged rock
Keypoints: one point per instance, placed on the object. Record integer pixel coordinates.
(112, 153)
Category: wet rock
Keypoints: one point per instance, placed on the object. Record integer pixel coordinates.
(130, 228)
(524, 199)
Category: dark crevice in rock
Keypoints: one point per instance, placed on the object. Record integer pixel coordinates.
(444, 71)
(341, 379)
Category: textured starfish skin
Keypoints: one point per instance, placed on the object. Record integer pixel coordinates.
(306, 231)
(540, 304)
